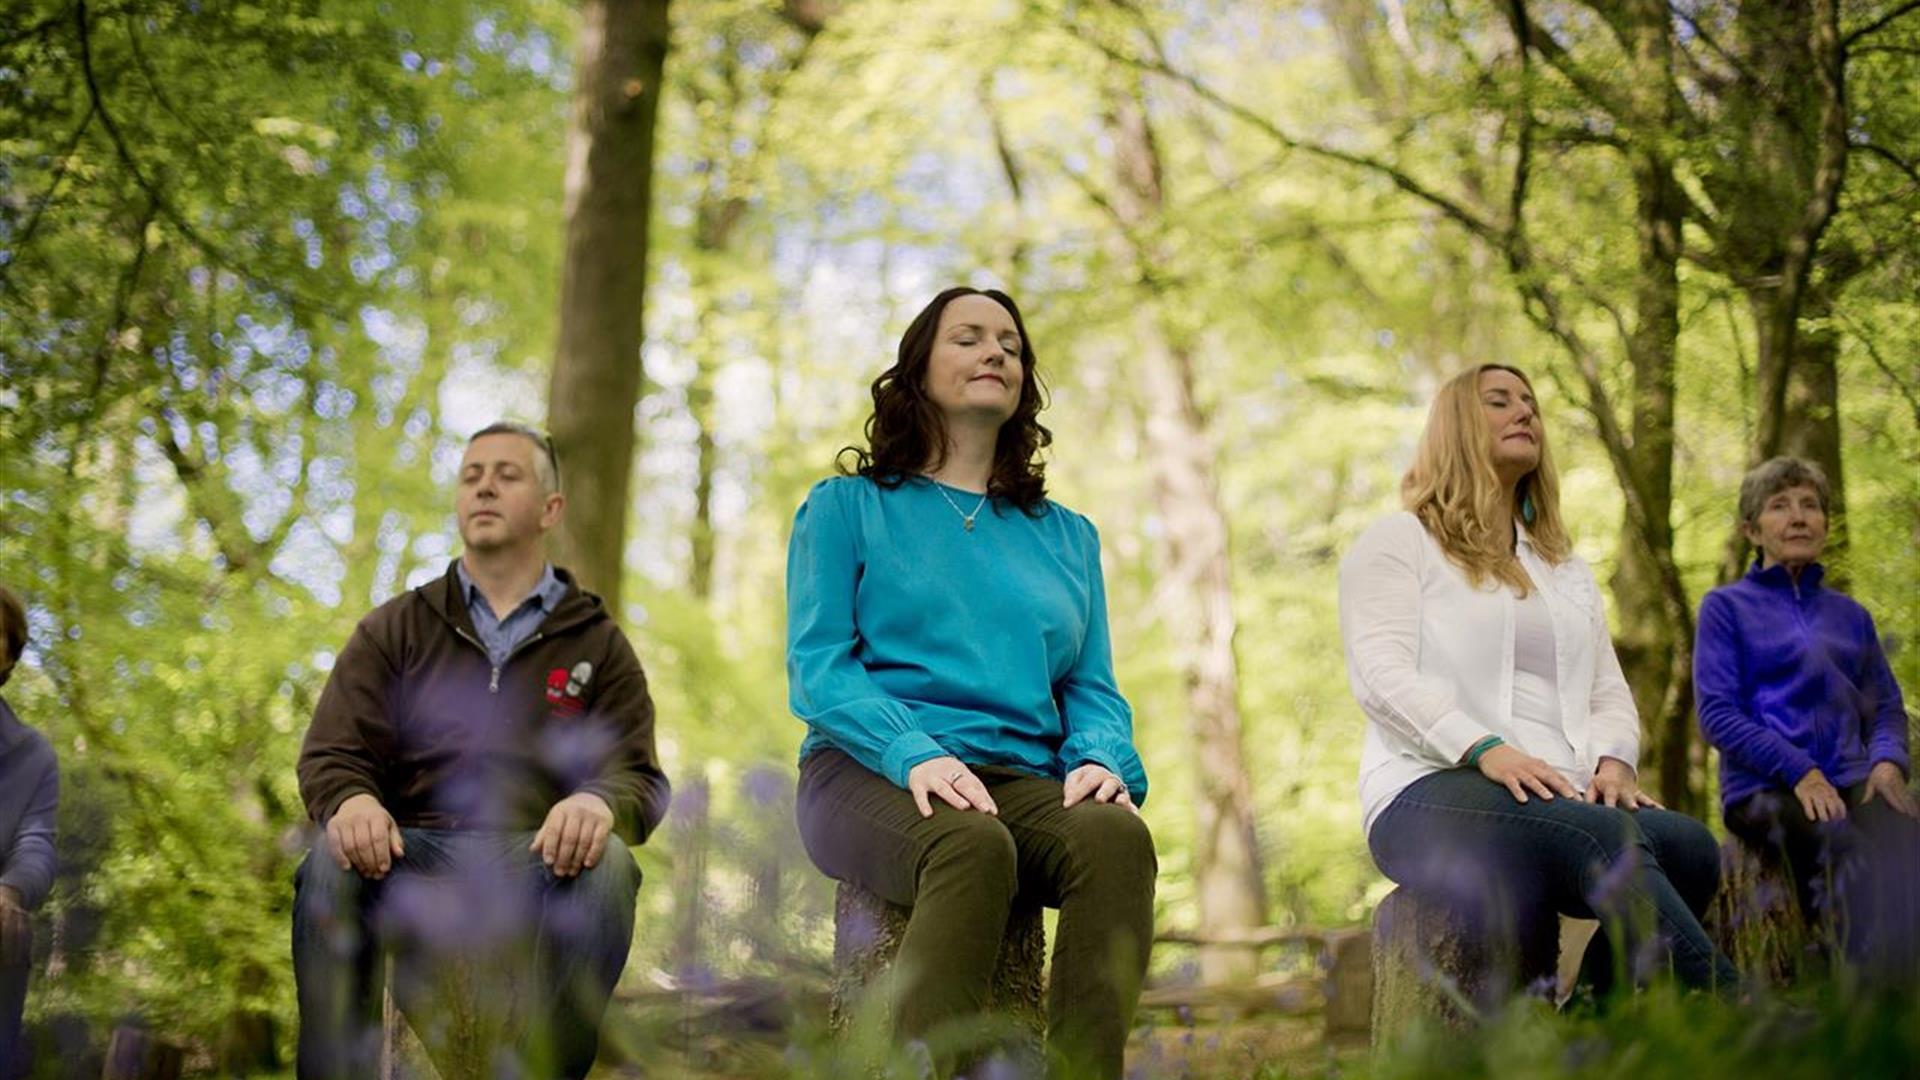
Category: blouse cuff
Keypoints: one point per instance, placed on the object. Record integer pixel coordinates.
(1454, 734)
(908, 749)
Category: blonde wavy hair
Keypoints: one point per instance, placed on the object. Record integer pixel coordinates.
(1452, 488)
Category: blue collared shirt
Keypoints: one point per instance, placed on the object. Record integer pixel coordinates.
(498, 635)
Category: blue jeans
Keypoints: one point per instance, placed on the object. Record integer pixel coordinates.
(458, 892)
(1646, 874)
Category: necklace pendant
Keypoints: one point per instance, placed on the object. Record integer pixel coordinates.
(968, 523)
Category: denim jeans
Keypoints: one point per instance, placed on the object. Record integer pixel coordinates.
(1857, 879)
(1646, 874)
(458, 892)
(959, 871)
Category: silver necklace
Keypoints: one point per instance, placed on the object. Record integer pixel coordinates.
(966, 519)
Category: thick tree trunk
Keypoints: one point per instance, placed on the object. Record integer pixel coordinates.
(596, 370)
(1198, 606)
(1197, 582)
(1655, 628)
(1813, 414)
(1790, 124)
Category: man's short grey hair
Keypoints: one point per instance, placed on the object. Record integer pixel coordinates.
(546, 463)
(1775, 475)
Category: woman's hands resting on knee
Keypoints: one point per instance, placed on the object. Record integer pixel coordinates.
(1520, 772)
(949, 778)
(1100, 783)
(1616, 784)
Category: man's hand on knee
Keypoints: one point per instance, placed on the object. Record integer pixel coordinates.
(362, 837)
(574, 836)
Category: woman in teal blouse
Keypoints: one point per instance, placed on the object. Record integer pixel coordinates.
(947, 648)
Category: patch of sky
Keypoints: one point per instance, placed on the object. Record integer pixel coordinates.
(275, 392)
(308, 560)
(332, 401)
(390, 536)
(445, 463)
(208, 434)
(419, 423)
(424, 573)
(385, 571)
(336, 522)
(265, 504)
(433, 546)
(330, 480)
(284, 468)
(477, 391)
(351, 203)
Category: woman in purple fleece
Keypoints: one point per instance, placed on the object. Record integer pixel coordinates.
(1796, 693)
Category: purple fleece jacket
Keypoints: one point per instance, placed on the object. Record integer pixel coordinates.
(29, 793)
(1791, 677)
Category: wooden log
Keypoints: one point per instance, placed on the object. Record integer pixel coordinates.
(1349, 984)
(866, 936)
(1429, 964)
(1755, 917)
(456, 1015)
(133, 1054)
(1283, 995)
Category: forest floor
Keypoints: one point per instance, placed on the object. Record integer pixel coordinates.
(664, 1047)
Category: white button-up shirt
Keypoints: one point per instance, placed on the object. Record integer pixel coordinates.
(1430, 660)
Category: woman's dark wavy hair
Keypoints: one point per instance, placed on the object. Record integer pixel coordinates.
(907, 432)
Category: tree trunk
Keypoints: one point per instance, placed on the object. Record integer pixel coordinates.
(1789, 125)
(596, 370)
(1197, 583)
(1655, 639)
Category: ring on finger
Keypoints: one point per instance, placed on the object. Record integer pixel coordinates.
(955, 775)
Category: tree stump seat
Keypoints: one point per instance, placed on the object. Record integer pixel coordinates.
(866, 937)
(1430, 964)
(454, 1015)
(1756, 919)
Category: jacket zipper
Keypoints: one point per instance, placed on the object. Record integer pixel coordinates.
(493, 683)
(493, 679)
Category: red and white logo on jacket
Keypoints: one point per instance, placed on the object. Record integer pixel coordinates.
(567, 688)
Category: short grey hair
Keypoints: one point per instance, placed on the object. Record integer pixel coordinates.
(1775, 475)
(546, 463)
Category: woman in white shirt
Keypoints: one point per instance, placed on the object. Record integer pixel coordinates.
(1498, 771)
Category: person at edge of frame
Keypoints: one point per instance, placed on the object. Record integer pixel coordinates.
(478, 763)
(1795, 692)
(29, 797)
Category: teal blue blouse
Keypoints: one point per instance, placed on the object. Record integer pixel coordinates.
(910, 637)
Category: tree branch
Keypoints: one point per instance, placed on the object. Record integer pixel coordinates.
(1899, 11)
(1873, 352)
(1451, 208)
(53, 189)
(166, 209)
(1829, 171)
(1888, 156)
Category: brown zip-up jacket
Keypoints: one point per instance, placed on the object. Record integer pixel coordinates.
(415, 714)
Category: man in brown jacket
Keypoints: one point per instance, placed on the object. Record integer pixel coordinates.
(479, 741)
